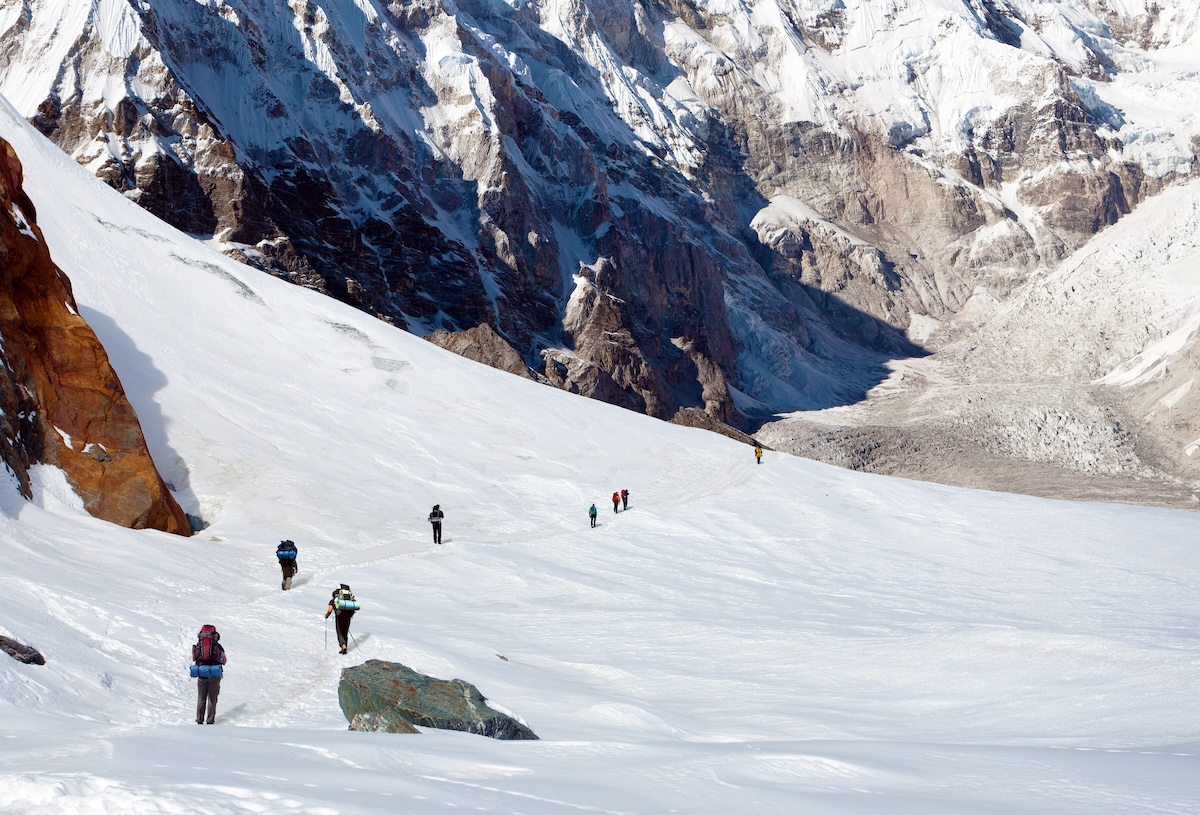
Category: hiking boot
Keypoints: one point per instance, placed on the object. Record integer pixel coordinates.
(343, 649)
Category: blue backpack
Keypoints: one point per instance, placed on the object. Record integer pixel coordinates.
(343, 599)
(286, 551)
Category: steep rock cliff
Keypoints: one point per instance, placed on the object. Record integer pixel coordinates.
(61, 401)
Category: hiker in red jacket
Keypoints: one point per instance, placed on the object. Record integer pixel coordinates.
(624, 499)
(616, 501)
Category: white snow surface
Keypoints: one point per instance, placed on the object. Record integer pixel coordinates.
(782, 638)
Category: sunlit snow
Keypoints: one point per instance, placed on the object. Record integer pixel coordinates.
(785, 637)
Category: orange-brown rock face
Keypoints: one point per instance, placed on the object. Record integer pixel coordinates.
(62, 402)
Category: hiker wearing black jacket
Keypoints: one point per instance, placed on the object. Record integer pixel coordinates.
(342, 606)
(206, 653)
(435, 520)
(286, 552)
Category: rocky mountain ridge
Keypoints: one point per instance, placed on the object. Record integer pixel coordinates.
(670, 204)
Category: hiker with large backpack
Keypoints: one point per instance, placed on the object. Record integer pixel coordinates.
(435, 519)
(616, 501)
(342, 606)
(592, 515)
(286, 552)
(209, 656)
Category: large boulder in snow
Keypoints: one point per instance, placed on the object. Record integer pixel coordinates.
(380, 696)
(21, 652)
(61, 403)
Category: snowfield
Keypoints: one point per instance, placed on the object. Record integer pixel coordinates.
(782, 638)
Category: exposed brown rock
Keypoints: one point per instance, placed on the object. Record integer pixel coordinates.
(21, 652)
(694, 417)
(62, 402)
(482, 344)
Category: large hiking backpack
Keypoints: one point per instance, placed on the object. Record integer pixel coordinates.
(286, 551)
(208, 650)
(343, 599)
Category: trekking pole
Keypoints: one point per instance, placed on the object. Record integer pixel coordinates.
(326, 633)
(353, 640)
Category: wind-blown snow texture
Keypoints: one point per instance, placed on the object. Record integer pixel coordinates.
(788, 637)
(781, 186)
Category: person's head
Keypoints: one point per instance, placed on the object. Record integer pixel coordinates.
(437, 507)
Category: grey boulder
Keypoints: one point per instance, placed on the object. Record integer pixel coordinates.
(388, 697)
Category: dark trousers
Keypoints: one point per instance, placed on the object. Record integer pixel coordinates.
(437, 531)
(206, 695)
(289, 571)
(593, 517)
(616, 504)
(624, 502)
(341, 621)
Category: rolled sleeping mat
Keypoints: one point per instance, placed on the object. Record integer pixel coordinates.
(286, 554)
(207, 671)
(346, 605)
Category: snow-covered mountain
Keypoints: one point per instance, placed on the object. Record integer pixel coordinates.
(780, 638)
(729, 205)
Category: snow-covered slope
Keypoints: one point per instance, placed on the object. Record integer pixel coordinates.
(785, 637)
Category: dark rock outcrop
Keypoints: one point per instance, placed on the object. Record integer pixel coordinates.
(482, 344)
(21, 652)
(694, 417)
(388, 697)
(61, 401)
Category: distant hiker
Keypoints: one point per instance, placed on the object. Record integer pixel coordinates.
(616, 501)
(208, 656)
(342, 606)
(286, 552)
(435, 519)
(758, 455)
(592, 514)
(624, 499)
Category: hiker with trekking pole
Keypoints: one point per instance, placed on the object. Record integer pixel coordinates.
(342, 606)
